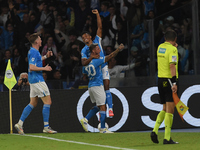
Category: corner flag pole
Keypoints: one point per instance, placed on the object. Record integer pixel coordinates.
(10, 103)
(10, 81)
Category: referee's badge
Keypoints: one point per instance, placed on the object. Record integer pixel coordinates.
(174, 59)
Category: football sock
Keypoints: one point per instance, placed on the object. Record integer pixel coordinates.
(27, 110)
(159, 120)
(109, 99)
(103, 118)
(46, 113)
(168, 125)
(92, 112)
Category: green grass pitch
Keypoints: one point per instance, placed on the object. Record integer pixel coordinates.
(69, 141)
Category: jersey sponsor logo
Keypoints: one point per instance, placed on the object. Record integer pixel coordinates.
(174, 59)
(162, 50)
(185, 97)
(32, 59)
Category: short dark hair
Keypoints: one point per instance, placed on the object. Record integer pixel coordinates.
(85, 32)
(33, 37)
(92, 46)
(170, 35)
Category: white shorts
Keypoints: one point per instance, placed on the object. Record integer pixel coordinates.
(105, 73)
(39, 89)
(97, 95)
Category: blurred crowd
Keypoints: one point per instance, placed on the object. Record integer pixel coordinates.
(60, 23)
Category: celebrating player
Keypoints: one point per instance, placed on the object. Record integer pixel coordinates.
(95, 86)
(38, 87)
(87, 57)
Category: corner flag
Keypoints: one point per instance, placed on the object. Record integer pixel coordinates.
(180, 106)
(9, 79)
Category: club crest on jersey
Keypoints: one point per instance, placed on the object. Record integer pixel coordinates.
(162, 50)
(174, 59)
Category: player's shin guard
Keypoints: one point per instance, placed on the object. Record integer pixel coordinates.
(46, 113)
(27, 110)
(168, 125)
(103, 118)
(109, 99)
(92, 112)
(159, 120)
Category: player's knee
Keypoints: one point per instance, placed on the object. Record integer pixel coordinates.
(95, 107)
(103, 107)
(34, 104)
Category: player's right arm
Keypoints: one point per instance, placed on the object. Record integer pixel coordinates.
(99, 23)
(32, 67)
(86, 61)
(113, 54)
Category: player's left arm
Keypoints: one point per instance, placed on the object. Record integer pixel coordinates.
(49, 54)
(113, 54)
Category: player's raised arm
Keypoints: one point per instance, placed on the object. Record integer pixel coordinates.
(99, 23)
(113, 54)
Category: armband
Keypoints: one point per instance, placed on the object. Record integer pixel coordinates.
(173, 80)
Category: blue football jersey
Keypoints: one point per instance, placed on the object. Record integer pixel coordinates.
(35, 58)
(94, 73)
(85, 52)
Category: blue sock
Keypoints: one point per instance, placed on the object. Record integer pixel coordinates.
(27, 110)
(46, 113)
(109, 99)
(103, 118)
(92, 112)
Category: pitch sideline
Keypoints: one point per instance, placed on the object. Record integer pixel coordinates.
(68, 141)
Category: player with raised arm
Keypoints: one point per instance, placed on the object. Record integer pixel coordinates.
(87, 57)
(95, 86)
(38, 87)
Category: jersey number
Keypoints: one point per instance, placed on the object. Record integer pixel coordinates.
(91, 70)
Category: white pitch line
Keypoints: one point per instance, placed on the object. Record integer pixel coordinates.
(68, 141)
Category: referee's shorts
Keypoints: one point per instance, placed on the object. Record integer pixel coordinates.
(165, 91)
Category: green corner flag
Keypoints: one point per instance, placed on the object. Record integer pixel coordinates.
(9, 79)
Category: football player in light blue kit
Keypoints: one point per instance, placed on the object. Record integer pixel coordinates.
(38, 87)
(95, 86)
(87, 57)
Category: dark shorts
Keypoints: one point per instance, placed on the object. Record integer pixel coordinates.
(165, 91)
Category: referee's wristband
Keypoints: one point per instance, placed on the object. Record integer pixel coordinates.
(173, 80)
